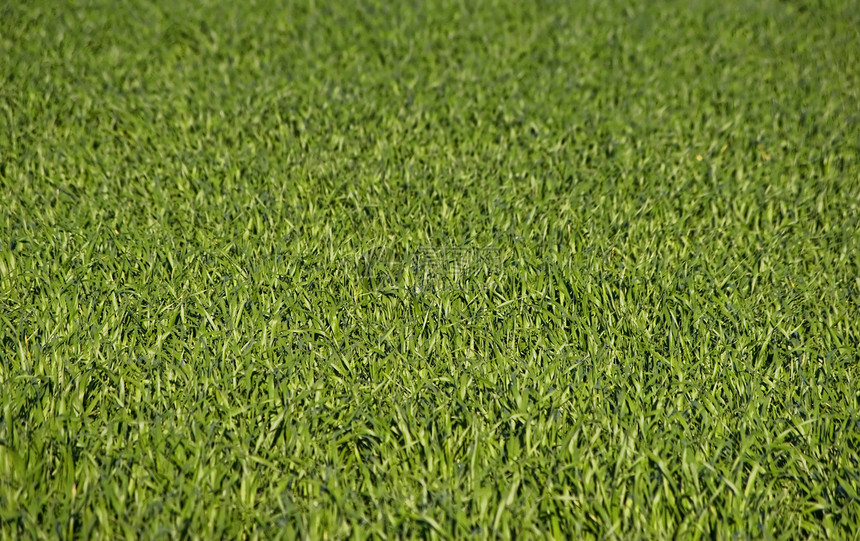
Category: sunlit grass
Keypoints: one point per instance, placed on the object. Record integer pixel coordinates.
(429, 269)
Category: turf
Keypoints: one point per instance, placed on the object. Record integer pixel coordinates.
(433, 269)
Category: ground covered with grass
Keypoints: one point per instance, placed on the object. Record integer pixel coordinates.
(429, 269)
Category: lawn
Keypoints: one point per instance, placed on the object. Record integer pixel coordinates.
(429, 268)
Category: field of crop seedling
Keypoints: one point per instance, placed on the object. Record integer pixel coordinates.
(429, 269)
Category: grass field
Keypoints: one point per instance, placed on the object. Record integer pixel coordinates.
(430, 269)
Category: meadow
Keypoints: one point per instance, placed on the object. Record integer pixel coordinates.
(429, 269)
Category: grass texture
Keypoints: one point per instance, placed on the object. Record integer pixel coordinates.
(434, 269)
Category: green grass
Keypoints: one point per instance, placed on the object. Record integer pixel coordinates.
(429, 269)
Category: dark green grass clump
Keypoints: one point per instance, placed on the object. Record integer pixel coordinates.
(429, 269)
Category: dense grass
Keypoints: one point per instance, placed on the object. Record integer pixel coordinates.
(230, 231)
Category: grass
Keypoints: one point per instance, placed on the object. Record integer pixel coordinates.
(429, 269)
